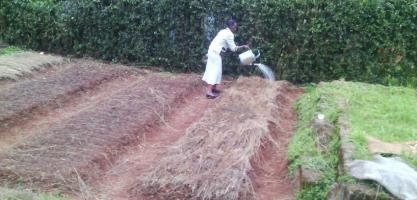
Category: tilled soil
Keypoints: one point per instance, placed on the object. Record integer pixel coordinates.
(237, 150)
(92, 132)
(124, 173)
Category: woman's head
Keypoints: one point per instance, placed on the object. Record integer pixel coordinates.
(232, 25)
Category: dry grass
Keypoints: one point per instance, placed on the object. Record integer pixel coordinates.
(24, 63)
(74, 152)
(213, 159)
(51, 90)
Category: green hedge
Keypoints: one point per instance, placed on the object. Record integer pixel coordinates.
(302, 40)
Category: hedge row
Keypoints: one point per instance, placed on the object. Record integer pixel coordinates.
(302, 40)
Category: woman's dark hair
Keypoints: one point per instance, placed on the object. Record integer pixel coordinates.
(231, 22)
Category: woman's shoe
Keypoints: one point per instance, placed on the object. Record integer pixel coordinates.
(216, 91)
(211, 96)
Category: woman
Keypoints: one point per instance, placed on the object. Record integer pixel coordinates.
(224, 40)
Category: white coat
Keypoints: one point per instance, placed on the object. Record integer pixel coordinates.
(224, 40)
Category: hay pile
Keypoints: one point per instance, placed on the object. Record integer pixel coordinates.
(25, 97)
(74, 152)
(24, 63)
(213, 159)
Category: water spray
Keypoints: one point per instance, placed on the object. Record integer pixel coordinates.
(248, 58)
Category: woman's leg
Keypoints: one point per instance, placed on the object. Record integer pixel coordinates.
(209, 91)
(215, 89)
(212, 74)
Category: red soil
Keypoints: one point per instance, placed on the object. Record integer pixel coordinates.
(42, 121)
(270, 176)
(82, 146)
(119, 157)
(123, 175)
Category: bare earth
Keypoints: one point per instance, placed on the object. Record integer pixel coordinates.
(94, 136)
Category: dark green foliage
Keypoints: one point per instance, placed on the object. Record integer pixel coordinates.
(302, 40)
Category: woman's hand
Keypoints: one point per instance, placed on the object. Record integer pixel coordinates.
(245, 46)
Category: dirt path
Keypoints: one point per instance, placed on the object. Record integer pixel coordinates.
(270, 177)
(49, 117)
(120, 178)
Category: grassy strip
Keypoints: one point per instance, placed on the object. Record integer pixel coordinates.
(302, 149)
(386, 113)
(10, 50)
(18, 194)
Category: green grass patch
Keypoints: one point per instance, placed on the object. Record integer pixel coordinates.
(20, 194)
(386, 113)
(10, 50)
(302, 150)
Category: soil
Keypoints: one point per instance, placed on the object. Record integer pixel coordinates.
(270, 177)
(43, 121)
(120, 171)
(376, 146)
(120, 178)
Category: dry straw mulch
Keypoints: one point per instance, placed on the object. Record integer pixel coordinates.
(25, 63)
(214, 159)
(51, 90)
(72, 153)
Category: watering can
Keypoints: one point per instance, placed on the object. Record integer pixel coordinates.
(248, 57)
